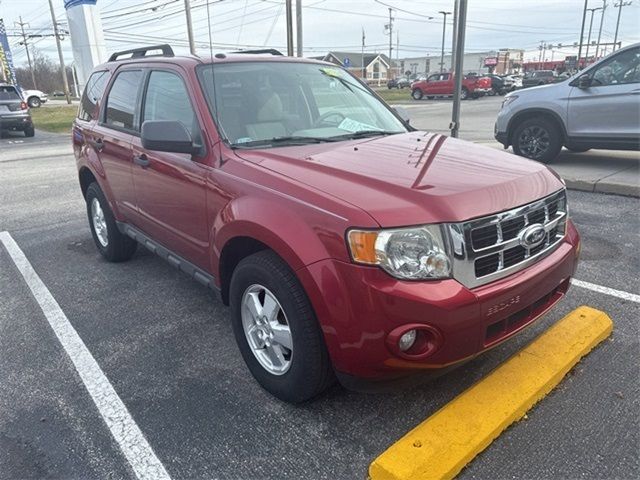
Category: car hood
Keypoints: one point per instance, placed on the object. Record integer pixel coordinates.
(413, 178)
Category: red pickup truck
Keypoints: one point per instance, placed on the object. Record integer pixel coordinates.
(442, 85)
(347, 243)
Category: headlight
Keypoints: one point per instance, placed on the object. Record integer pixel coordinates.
(508, 100)
(408, 253)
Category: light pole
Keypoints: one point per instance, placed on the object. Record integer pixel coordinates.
(584, 17)
(444, 29)
(586, 55)
(604, 8)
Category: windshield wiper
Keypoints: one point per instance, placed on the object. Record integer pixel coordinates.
(290, 140)
(364, 134)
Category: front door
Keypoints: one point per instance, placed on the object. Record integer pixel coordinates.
(610, 107)
(170, 187)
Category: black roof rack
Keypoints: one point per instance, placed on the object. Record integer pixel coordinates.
(167, 51)
(271, 51)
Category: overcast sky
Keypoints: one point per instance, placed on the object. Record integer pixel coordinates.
(331, 24)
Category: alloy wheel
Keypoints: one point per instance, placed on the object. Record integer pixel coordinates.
(99, 222)
(534, 141)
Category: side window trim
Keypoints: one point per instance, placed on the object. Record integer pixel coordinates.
(136, 109)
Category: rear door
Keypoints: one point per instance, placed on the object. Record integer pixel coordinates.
(610, 107)
(111, 138)
(170, 187)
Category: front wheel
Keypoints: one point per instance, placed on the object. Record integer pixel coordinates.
(34, 102)
(464, 94)
(276, 329)
(112, 244)
(537, 139)
(417, 94)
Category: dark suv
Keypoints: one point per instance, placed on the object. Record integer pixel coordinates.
(346, 242)
(14, 112)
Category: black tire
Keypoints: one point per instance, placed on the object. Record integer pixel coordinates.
(29, 132)
(310, 371)
(417, 94)
(577, 149)
(548, 144)
(464, 94)
(34, 102)
(118, 247)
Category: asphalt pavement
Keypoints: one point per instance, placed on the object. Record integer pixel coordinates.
(165, 344)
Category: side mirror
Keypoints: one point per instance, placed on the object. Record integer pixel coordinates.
(167, 136)
(584, 81)
(402, 113)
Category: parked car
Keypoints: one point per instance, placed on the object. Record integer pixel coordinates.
(498, 85)
(398, 83)
(513, 82)
(442, 85)
(539, 77)
(14, 112)
(58, 93)
(258, 181)
(34, 98)
(596, 108)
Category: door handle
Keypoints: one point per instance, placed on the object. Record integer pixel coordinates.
(141, 160)
(98, 144)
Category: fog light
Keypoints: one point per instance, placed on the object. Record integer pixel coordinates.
(407, 340)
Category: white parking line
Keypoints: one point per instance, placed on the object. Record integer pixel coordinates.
(607, 291)
(135, 447)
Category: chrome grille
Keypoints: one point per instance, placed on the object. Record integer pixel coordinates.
(490, 248)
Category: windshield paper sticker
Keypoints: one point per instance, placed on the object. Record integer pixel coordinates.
(351, 125)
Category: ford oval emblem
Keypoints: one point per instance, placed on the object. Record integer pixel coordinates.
(532, 236)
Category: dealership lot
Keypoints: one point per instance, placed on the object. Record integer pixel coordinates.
(166, 345)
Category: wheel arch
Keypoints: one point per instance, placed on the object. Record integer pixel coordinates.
(531, 113)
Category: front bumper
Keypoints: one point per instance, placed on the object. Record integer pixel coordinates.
(358, 307)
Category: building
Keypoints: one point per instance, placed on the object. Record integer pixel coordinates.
(377, 66)
(481, 62)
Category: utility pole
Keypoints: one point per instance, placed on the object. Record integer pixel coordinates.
(604, 8)
(455, 34)
(364, 67)
(584, 17)
(299, 28)
(26, 47)
(187, 11)
(540, 55)
(63, 69)
(444, 29)
(390, 38)
(459, 68)
(289, 11)
(398, 72)
(619, 5)
(586, 55)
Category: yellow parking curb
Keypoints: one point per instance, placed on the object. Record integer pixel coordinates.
(443, 444)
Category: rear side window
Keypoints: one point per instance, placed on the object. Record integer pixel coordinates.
(122, 100)
(167, 99)
(9, 93)
(92, 95)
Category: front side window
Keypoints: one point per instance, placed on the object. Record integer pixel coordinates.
(122, 100)
(263, 103)
(167, 99)
(619, 69)
(92, 94)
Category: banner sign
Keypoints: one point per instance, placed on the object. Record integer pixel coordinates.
(6, 60)
(490, 61)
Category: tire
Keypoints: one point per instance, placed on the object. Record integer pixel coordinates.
(547, 137)
(577, 149)
(464, 94)
(299, 373)
(34, 102)
(113, 245)
(417, 94)
(29, 132)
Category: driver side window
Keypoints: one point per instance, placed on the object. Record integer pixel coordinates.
(622, 68)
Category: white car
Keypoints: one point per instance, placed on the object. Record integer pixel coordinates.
(598, 107)
(34, 98)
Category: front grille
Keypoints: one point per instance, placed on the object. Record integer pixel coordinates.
(491, 247)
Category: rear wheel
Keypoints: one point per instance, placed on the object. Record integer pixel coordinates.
(538, 139)
(111, 243)
(417, 94)
(276, 329)
(29, 132)
(464, 94)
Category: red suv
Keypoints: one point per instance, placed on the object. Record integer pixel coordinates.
(347, 243)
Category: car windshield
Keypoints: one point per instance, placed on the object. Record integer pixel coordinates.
(9, 93)
(289, 103)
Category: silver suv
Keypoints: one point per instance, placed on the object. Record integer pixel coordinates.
(597, 108)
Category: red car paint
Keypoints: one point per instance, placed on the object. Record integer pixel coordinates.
(300, 201)
(443, 84)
